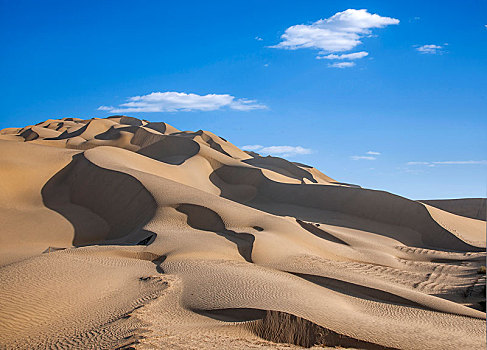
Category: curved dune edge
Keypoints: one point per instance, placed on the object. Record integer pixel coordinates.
(122, 232)
(467, 229)
(474, 208)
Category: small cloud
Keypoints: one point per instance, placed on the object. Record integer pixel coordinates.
(428, 164)
(258, 38)
(370, 155)
(242, 104)
(280, 151)
(171, 101)
(430, 49)
(348, 56)
(415, 171)
(266, 65)
(363, 158)
(418, 163)
(342, 64)
(450, 162)
(461, 162)
(251, 147)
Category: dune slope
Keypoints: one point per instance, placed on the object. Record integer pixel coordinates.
(120, 232)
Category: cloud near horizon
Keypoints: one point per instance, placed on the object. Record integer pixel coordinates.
(341, 32)
(450, 162)
(171, 101)
(281, 151)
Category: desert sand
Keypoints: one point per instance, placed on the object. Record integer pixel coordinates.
(124, 233)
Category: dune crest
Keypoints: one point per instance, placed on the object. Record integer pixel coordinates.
(121, 232)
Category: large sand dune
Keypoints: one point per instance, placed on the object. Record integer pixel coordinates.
(120, 232)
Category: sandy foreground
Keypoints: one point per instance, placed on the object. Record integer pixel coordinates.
(123, 233)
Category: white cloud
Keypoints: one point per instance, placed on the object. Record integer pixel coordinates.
(451, 162)
(281, 151)
(418, 163)
(371, 155)
(341, 32)
(347, 56)
(252, 147)
(258, 38)
(363, 158)
(430, 49)
(171, 101)
(242, 104)
(342, 64)
(461, 162)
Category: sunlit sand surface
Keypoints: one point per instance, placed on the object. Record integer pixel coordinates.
(120, 232)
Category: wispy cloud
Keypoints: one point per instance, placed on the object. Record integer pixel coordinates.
(341, 32)
(347, 56)
(258, 38)
(342, 64)
(281, 151)
(430, 49)
(418, 163)
(450, 162)
(171, 101)
(370, 155)
(251, 147)
(363, 158)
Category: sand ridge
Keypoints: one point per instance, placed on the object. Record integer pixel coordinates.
(123, 232)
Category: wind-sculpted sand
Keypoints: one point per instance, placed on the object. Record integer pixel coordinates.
(123, 233)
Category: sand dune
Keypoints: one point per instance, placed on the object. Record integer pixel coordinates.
(120, 232)
(474, 208)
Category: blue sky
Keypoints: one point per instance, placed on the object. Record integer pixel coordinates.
(405, 113)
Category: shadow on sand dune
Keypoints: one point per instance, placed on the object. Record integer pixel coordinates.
(369, 206)
(281, 166)
(319, 232)
(202, 218)
(281, 327)
(104, 206)
(170, 149)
